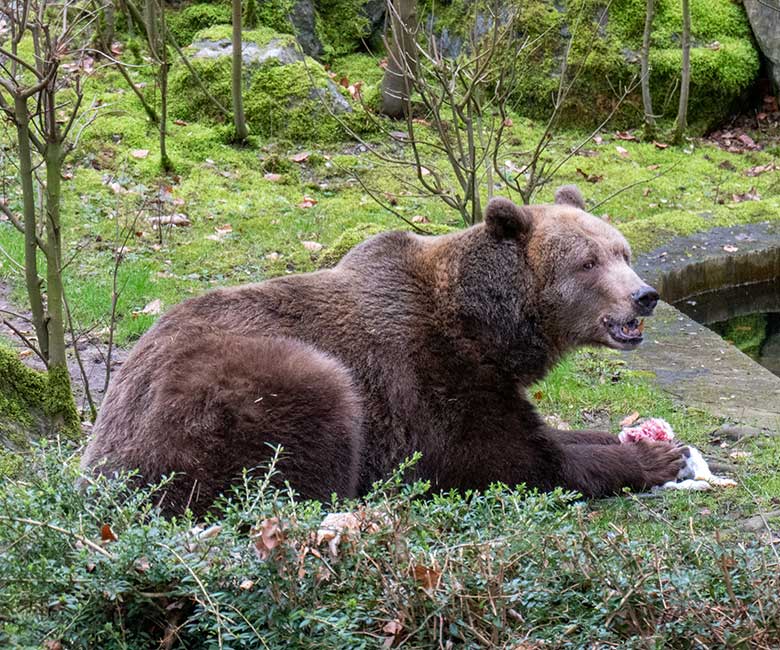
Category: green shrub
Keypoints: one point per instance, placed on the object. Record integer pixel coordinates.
(473, 570)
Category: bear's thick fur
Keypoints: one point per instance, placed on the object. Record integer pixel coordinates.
(409, 344)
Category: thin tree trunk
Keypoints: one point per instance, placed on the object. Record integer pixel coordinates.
(32, 280)
(239, 120)
(685, 80)
(402, 59)
(647, 101)
(54, 156)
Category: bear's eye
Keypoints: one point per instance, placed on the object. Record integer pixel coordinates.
(589, 265)
(625, 258)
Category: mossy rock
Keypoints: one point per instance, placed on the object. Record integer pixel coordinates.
(286, 94)
(32, 405)
(604, 44)
(187, 22)
(324, 28)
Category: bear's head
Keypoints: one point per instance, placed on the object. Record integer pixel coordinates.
(571, 271)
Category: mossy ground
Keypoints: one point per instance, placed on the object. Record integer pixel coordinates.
(251, 208)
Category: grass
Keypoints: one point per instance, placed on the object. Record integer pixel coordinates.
(635, 572)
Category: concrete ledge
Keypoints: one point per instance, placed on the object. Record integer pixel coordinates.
(691, 362)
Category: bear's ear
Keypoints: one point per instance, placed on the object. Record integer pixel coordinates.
(569, 195)
(505, 220)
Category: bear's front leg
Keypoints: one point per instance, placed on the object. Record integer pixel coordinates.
(598, 470)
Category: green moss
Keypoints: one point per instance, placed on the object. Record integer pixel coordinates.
(280, 101)
(341, 26)
(31, 403)
(58, 402)
(186, 23)
(604, 56)
(747, 333)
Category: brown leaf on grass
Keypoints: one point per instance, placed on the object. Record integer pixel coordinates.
(730, 249)
(393, 628)
(598, 139)
(312, 246)
(590, 178)
(140, 154)
(308, 202)
(629, 419)
(646, 192)
(52, 644)
(750, 195)
(625, 135)
(507, 122)
(727, 165)
(745, 139)
(660, 145)
(652, 168)
(300, 157)
(419, 218)
(427, 577)
(266, 537)
(106, 534)
(246, 585)
(344, 82)
(334, 527)
(178, 219)
(142, 565)
(761, 169)
(180, 123)
(538, 395)
(354, 90)
(382, 63)
(153, 308)
(623, 153)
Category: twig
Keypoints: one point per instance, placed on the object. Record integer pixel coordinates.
(26, 341)
(76, 536)
(634, 184)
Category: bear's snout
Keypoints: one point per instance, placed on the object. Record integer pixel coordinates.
(645, 298)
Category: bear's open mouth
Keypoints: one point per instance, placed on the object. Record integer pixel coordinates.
(626, 332)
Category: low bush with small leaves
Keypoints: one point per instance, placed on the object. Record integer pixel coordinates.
(89, 563)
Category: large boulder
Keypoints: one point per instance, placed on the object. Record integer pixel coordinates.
(604, 41)
(286, 94)
(764, 16)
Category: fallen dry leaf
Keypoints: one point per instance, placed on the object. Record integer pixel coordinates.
(427, 577)
(629, 419)
(301, 156)
(153, 308)
(660, 145)
(178, 219)
(590, 178)
(652, 168)
(140, 154)
(246, 585)
(419, 218)
(142, 565)
(761, 169)
(750, 195)
(274, 178)
(267, 536)
(730, 249)
(180, 123)
(308, 202)
(106, 534)
(312, 246)
(623, 153)
(625, 135)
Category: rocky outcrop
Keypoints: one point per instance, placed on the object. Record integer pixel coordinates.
(764, 16)
(286, 93)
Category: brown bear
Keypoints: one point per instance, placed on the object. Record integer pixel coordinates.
(410, 343)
